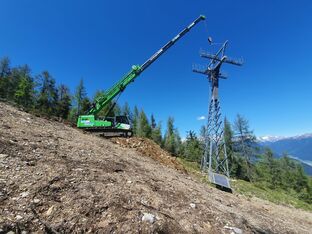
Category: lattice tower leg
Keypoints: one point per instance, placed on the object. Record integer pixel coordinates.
(215, 155)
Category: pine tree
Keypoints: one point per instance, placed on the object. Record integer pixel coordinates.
(5, 67)
(80, 97)
(269, 170)
(234, 163)
(156, 134)
(153, 122)
(301, 179)
(203, 134)
(144, 129)
(117, 109)
(172, 140)
(85, 105)
(48, 97)
(169, 141)
(125, 110)
(192, 148)
(288, 167)
(64, 102)
(135, 120)
(246, 144)
(156, 131)
(274, 169)
(24, 92)
(5, 72)
(13, 79)
(178, 141)
(228, 137)
(72, 116)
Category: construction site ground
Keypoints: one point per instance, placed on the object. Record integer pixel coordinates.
(58, 179)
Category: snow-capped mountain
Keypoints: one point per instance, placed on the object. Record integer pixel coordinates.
(270, 138)
(298, 147)
(278, 138)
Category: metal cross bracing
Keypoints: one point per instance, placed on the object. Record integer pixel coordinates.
(214, 160)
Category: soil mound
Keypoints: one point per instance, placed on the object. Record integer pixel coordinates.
(149, 148)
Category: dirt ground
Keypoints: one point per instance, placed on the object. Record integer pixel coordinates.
(57, 179)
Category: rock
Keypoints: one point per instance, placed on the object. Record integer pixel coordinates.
(36, 200)
(234, 229)
(207, 226)
(147, 217)
(18, 217)
(10, 232)
(237, 230)
(50, 210)
(24, 194)
(193, 205)
(129, 182)
(78, 169)
(3, 155)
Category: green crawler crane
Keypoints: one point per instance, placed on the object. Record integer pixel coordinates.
(120, 125)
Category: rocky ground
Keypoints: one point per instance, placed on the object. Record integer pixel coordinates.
(57, 179)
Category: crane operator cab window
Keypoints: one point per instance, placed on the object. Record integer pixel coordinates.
(122, 121)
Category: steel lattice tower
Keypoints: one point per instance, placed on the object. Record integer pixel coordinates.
(214, 160)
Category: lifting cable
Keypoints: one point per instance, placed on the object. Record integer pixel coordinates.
(206, 28)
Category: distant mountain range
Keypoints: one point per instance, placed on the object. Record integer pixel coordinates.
(297, 147)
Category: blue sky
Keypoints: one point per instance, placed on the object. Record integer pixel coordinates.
(100, 40)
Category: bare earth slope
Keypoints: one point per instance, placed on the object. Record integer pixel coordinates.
(54, 178)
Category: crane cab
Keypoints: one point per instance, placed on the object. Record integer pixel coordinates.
(110, 126)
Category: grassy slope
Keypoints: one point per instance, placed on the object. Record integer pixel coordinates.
(250, 189)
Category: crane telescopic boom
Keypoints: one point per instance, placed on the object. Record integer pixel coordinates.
(170, 43)
(136, 71)
(89, 121)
